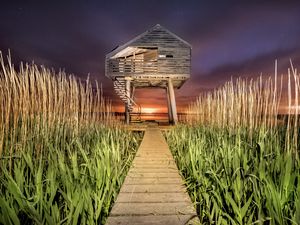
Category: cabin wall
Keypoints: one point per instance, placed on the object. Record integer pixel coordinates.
(174, 60)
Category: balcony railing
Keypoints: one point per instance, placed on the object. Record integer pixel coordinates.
(132, 66)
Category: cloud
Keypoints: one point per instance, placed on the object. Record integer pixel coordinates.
(229, 38)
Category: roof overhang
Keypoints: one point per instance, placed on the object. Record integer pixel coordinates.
(128, 51)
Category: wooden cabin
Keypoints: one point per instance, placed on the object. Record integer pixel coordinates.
(156, 58)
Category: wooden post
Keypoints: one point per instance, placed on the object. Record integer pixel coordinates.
(169, 106)
(127, 103)
(173, 101)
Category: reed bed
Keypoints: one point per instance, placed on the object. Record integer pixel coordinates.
(63, 155)
(239, 156)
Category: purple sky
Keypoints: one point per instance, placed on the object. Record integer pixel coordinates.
(229, 38)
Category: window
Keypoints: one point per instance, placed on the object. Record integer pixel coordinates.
(165, 56)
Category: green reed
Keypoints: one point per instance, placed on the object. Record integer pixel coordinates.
(239, 156)
(234, 182)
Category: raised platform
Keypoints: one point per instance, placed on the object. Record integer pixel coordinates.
(153, 191)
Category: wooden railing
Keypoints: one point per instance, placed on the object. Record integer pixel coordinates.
(132, 66)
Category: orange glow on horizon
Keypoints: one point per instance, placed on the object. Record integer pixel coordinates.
(149, 110)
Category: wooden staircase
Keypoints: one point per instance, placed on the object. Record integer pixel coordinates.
(133, 107)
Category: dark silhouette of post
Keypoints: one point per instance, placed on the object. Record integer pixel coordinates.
(170, 116)
(128, 98)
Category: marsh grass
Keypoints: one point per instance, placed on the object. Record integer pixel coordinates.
(240, 163)
(63, 156)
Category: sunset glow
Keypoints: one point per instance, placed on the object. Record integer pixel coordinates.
(290, 109)
(149, 110)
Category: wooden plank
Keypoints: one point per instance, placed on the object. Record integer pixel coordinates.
(164, 174)
(150, 208)
(151, 180)
(154, 164)
(138, 170)
(154, 197)
(157, 161)
(163, 155)
(152, 219)
(154, 156)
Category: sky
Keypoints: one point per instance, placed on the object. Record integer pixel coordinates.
(228, 38)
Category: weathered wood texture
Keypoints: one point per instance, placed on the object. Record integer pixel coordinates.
(157, 52)
(153, 191)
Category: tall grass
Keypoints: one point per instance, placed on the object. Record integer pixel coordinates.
(239, 160)
(247, 103)
(35, 98)
(63, 156)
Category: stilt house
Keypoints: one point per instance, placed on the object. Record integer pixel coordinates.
(156, 58)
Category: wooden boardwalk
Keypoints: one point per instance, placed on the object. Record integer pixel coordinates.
(153, 191)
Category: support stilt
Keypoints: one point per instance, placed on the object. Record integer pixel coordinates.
(173, 102)
(169, 106)
(127, 104)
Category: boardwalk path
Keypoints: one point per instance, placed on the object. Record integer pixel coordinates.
(153, 191)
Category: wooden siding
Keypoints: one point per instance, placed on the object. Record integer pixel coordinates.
(179, 63)
(159, 37)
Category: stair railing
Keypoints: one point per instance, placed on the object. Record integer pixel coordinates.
(122, 93)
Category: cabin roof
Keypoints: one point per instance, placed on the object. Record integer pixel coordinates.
(156, 27)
